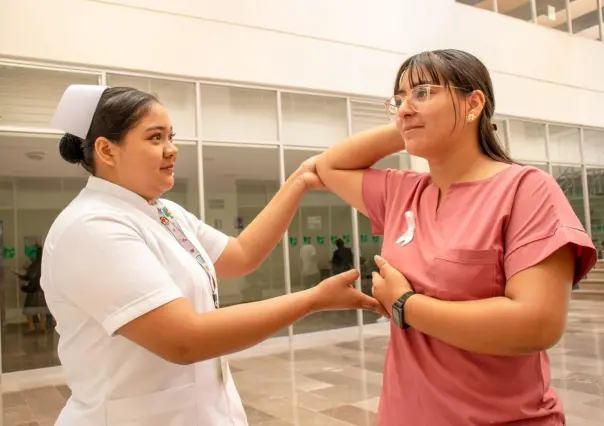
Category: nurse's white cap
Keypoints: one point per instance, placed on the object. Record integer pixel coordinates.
(76, 109)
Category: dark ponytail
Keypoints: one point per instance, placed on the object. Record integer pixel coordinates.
(119, 110)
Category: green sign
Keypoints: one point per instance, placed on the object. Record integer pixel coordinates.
(375, 238)
(346, 239)
(31, 252)
(8, 253)
(364, 238)
(293, 241)
(306, 240)
(320, 240)
(333, 239)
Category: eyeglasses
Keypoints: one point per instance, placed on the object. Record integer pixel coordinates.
(417, 98)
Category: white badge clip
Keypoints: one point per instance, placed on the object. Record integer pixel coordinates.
(407, 237)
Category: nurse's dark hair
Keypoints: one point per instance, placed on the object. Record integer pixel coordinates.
(119, 110)
(464, 73)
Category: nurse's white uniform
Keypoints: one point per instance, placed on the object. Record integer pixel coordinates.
(108, 260)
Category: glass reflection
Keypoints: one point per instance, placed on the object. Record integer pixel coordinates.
(320, 245)
(595, 187)
(32, 194)
(570, 180)
(552, 14)
(516, 9)
(238, 183)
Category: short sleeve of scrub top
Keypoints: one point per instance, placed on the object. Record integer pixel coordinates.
(540, 222)
(113, 275)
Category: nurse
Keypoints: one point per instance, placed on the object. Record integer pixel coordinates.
(479, 255)
(132, 278)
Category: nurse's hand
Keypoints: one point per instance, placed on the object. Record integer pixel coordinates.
(307, 174)
(338, 293)
(389, 285)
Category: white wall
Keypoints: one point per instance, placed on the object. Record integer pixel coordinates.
(332, 45)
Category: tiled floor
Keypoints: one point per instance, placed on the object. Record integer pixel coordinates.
(22, 351)
(339, 384)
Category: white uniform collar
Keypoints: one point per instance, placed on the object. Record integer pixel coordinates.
(117, 191)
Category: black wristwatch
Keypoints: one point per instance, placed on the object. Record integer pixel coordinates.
(398, 310)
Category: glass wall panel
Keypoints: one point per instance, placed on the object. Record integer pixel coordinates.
(186, 181)
(564, 144)
(313, 120)
(520, 9)
(570, 180)
(501, 131)
(595, 187)
(542, 166)
(372, 244)
(481, 4)
(36, 185)
(238, 184)
(552, 14)
(28, 97)
(593, 147)
(178, 98)
(320, 222)
(232, 114)
(585, 19)
(527, 141)
(367, 115)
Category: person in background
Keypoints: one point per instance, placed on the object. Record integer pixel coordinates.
(310, 273)
(478, 259)
(34, 306)
(131, 278)
(342, 259)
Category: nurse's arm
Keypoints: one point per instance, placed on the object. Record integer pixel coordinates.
(530, 318)
(178, 334)
(246, 252)
(341, 167)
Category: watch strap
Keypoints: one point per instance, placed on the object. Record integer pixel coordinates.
(400, 305)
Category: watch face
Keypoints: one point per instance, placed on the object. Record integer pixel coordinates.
(396, 316)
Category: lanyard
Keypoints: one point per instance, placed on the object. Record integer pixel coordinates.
(168, 221)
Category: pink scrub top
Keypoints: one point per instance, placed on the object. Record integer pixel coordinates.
(482, 234)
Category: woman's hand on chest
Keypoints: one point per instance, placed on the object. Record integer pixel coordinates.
(389, 284)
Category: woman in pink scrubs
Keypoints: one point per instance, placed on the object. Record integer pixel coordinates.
(479, 255)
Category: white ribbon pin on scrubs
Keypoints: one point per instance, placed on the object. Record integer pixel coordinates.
(407, 237)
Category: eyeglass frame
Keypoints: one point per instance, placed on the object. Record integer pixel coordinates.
(388, 105)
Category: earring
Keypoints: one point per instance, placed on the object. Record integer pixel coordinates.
(471, 117)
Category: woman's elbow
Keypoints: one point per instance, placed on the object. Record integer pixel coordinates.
(322, 165)
(180, 354)
(546, 334)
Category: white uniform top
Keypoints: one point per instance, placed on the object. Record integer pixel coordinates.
(107, 260)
